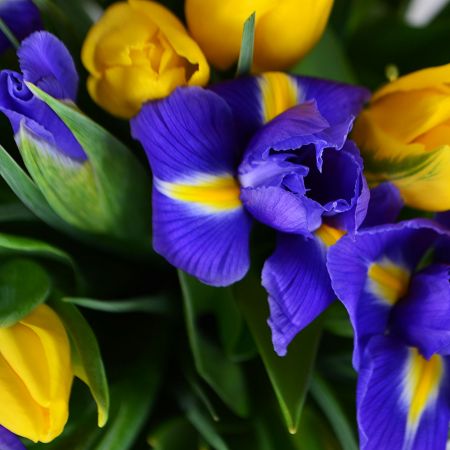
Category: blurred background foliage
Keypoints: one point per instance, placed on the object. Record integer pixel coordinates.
(191, 367)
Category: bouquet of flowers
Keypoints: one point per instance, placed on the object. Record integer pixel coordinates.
(224, 225)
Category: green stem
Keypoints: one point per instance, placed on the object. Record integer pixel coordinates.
(9, 34)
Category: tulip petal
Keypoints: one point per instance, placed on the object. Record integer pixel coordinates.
(385, 205)
(46, 62)
(370, 272)
(9, 441)
(422, 317)
(402, 398)
(415, 171)
(198, 220)
(299, 288)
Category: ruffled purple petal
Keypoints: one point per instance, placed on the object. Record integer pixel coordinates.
(299, 288)
(389, 386)
(337, 102)
(384, 206)
(46, 62)
(9, 441)
(403, 245)
(22, 17)
(422, 318)
(19, 104)
(199, 223)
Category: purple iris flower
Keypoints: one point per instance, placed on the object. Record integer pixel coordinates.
(272, 148)
(45, 62)
(399, 305)
(22, 17)
(9, 441)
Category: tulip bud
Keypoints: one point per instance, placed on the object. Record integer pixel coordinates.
(284, 32)
(404, 137)
(139, 51)
(88, 178)
(35, 376)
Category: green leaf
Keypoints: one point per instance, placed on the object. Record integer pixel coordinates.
(336, 321)
(15, 212)
(28, 192)
(18, 245)
(153, 305)
(87, 358)
(211, 361)
(290, 376)
(175, 434)
(24, 285)
(327, 60)
(248, 40)
(326, 400)
(122, 186)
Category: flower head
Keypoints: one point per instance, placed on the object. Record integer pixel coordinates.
(400, 314)
(285, 30)
(404, 137)
(139, 51)
(212, 177)
(35, 376)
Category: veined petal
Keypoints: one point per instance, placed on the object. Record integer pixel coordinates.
(299, 288)
(370, 272)
(46, 62)
(256, 100)
(385, 205)
(9, 441)
(422, 318)
(199, 223)
(402, 398)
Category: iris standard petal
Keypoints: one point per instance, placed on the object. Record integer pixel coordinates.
(402, 398)
(370, 273)
(199, 223)
(257, 100)
(46, 62)
(384, 206)
(299, 288)
(9, 441)
(422, 317)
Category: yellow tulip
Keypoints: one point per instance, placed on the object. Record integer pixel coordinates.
(35, 376)
(139, 51)
(285, 30)
(404, 136)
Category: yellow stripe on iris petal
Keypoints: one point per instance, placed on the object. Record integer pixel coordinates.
(214, 193)
(423, 378)
(329, 235)
(388, 281)
(279, 92)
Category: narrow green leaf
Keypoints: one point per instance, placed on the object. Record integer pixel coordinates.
(175, 434)
(336, 416)
(121, 183)
(88, 360)
(24, 285)
(9, 34)
(153, 305)
(247, 45)
(203, 424)
(27, 191)
(15, 212)
(211, 362)
(290, 376)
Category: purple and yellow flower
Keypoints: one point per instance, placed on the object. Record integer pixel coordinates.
(22, 17)
(272, 148)
(400, 312)
(9, 441)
